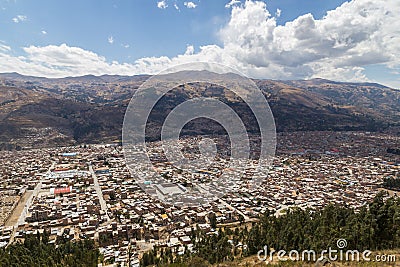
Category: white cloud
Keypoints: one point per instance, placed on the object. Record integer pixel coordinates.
(190, 4)
(4, 48)
(354, 35)
(189, 50)
(126, 45)
(395, 72)
(338, 46)
(162, 4)
(176, 6)
(19, 18)
(278, 13)
(110, 39)
(44, 32)
(64, 60)
(232, 3)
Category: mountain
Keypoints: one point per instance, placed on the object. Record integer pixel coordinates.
(374, 98)
(37, 111)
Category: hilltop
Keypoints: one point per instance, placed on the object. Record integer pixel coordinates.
(37, 111)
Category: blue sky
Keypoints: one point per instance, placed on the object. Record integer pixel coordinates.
(128, 31)
(147, 29)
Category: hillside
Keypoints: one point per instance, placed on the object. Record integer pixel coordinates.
(38, 111)
(371, 97)
(32, 118)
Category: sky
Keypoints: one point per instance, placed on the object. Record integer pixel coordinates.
(356, 40)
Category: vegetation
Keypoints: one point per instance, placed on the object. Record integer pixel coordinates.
(374, 227)
(391, 183)
(395, 151)
(36, 251)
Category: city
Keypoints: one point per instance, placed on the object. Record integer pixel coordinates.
(191, 133)
(87, 191)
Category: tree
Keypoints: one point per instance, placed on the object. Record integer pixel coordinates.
(213, 220)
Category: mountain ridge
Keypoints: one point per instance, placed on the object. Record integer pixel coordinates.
(38, 111)
(108, 77)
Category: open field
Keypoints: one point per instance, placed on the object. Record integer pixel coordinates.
(8, 202)
(390, 192)
(13, 218)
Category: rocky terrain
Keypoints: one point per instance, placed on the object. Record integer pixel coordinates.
(38, 111)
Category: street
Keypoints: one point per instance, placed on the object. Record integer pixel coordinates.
(103, 204)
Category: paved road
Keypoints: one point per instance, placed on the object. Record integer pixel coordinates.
(103, 203)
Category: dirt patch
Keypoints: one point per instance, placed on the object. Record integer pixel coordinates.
(390, 192)
(13, 219)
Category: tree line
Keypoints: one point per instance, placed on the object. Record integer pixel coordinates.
(376, 226)
(36, 251)
(391, 183)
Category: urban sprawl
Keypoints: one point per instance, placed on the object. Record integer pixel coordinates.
(87, 191)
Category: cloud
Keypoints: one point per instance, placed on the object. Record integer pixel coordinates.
(19, 18)
(4, 48)
(125, 45)
(232, 3)
(189, 50)
(162, 4)
(338, 46)
(190, 4)
(63, 60)
(44, 32)
(110, 39)
(176, 6)
(278, 13)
